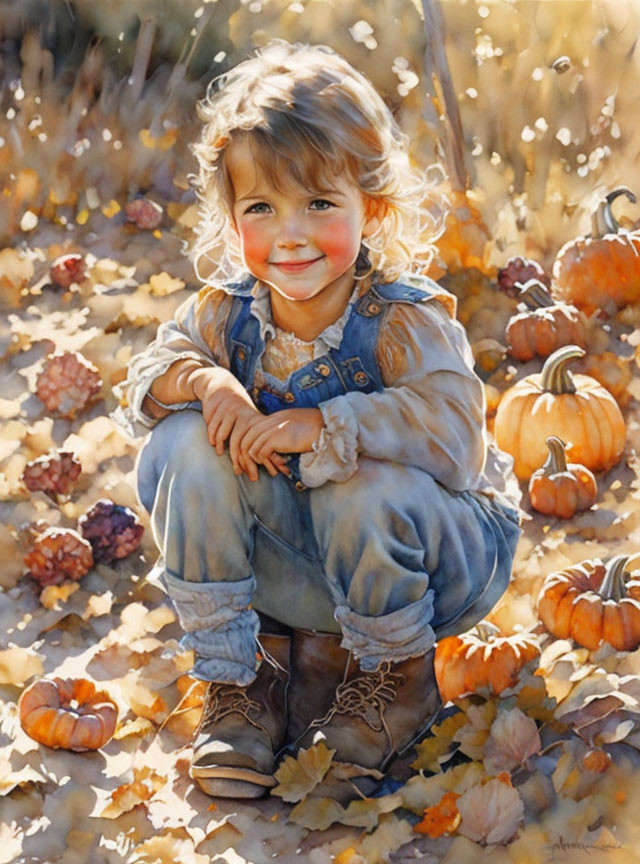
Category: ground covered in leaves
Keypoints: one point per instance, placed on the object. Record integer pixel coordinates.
(548, 771)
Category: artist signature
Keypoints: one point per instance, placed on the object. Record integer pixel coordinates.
(562, 845)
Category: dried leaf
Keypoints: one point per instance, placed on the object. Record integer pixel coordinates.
(317, 814)
(53, 595)
(163, 284)
(490, 813)
(439, 746)
(391, 834)
(298, 776)
(441, 819)
(513, 739)
(129, 795)
(138, 728)
(17, 665)
(473, 736)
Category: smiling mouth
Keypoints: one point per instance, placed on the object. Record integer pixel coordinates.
(295, 266)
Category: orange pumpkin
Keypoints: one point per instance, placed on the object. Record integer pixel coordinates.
(594, 603)
(601, 270)
(67, 713)
(553, 402)
(560, 488)
(545, 326)
(482, 657)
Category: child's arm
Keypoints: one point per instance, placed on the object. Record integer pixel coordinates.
(187, 363)
(429, 415)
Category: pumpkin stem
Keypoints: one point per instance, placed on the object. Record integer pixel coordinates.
(555, 377)
(602, 220)
(535, 294)
(613, 585)
(557, 459)
(486, 630)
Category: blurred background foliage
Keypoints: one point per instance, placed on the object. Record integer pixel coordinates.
(532, 106)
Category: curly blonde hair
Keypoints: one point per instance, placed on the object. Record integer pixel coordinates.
(310, 116)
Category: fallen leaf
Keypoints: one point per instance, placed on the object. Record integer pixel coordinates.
(163, 284)
(17, 665)
(490, 813)
(52, 595)
(298, 776)
(441, 819)
(390, 835)
(439, 745)
(514, 737)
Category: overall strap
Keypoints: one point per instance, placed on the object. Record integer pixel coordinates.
(242, 340)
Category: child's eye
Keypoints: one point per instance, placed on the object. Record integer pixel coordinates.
(321, 204)
(260, 207)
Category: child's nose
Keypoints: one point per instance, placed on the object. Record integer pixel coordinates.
(291, 234)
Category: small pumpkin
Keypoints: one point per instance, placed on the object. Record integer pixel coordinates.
(546, 325)
(561, 488)
(481, 657)
(601, 270)
(67, 713)
(576, 408)
(594, 603)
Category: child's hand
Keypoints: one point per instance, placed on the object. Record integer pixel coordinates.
(229, 413)
(294, 430)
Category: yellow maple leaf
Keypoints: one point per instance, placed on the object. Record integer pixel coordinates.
(298, 776)
(439, 743)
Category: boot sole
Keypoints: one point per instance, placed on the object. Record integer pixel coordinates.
(228, 781)
(226, 787)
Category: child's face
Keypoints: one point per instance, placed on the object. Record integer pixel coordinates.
(300, 243)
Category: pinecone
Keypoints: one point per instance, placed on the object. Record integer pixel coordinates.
(144, 213)
(58, 554)
(114, 531)
(68, 383)
(67, 269)
(520, 270)
(54, 473)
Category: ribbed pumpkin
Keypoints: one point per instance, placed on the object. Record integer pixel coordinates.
(546, 326)
(593, 602)
(561, 488)
(67, 713)
(575, 408)
(601, 270)
(482, 657)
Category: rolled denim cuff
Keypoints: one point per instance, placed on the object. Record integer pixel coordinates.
(220, 627)
(335, 453)
(396, 636)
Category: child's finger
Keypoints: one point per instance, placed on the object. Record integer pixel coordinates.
(241, 463)
(281, 463)
(218, 436)
(263, 447)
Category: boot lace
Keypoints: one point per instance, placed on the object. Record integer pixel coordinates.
(366, 695)
(224, 699)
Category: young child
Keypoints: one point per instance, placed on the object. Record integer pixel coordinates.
(321, 465)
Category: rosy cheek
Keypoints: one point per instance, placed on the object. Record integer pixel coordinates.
(338, 239)
(255, 244)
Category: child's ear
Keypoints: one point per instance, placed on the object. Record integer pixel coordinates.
(375, 212)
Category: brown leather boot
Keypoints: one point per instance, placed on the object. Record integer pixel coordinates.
(318, 666)
(242, 727)
(376, 715)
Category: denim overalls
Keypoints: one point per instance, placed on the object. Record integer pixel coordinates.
(391, 558)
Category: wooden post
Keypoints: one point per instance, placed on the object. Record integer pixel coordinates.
(440, 85)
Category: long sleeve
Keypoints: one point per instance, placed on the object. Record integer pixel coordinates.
(196, 331)
(430, 413)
